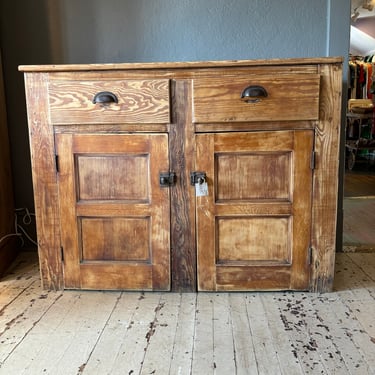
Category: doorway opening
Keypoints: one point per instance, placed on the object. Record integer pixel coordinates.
(359, 179)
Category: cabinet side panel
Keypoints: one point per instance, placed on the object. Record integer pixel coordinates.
(325, 182)
(44, 180)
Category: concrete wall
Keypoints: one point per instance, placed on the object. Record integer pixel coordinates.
(95, 31)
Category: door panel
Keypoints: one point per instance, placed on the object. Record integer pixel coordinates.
(253, 227)
(116, 239)
(115, 219)
(116, 176)
(268, 176)
(251, 242)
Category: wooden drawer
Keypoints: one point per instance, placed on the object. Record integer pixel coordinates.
(288, 97)
(133, 101)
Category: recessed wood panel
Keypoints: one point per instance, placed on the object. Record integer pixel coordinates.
(139, 101)
(244, 176)
(115, 239)
(106, 177)
(253, 239)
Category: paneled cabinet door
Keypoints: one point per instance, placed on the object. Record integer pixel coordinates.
(115, 218)
(253, 227)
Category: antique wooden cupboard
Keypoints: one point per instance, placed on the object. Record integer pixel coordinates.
(186, 176)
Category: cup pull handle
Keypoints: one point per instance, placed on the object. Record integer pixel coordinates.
(253, 94)
(105, 97)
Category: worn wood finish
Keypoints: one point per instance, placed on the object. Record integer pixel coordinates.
(253, 228)
(189, 333)
(103, 248)
(43, 165)
(182, 146)
(360, 184)
(301, 63)
(359, 228)
(7, 241)
(192, 113)
(287, 98)
(325, 180)
(144, 101)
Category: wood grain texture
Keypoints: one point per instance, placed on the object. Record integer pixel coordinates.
(242, 246)
(182, 146)
(116, 239)
(233, 171)
(110, 177)
(121, 333)
(122, 248)
(325, 180)
(359, 219)
(289, 97)
(179, 65)
(44, 181)
(8, 250)
(309, 104)
(145, 101)
(242, 242)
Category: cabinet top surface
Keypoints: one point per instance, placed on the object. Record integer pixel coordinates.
(179, 65)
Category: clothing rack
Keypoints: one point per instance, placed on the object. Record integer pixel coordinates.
(360, 124)
(361, 80)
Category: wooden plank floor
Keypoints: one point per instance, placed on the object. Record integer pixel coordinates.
(359, 211)
(359, 184)
(359, 224)
(93, 332)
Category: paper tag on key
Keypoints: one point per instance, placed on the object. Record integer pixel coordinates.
(201, 190)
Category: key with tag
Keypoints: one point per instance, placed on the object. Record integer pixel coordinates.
(201, 189)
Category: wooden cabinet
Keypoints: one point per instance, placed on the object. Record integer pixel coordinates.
(186, 176)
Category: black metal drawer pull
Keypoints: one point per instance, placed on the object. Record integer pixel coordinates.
(105, 97)
(253, 94)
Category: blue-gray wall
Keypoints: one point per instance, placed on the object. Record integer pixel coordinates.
(170, 30)
(99, 31)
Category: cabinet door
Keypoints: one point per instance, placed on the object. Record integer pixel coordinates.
(253, 227)
(115, 219)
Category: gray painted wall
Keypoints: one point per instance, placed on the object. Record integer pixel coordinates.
(165, 30)
(97, 31)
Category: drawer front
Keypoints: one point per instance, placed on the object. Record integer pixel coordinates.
(121, 101)
(285, 98)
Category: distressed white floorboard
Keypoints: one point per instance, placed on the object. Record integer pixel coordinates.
(20, 276)
(203, 351)
(262, 338)
(353, 330)
(18, 319)
(316, 324)
(356, 290)
(283, 343)
(184, 336)
(130, 355)
(242, 339)
(224, 357)
(292, 313)
(103, 357)
(159, 352)
(60, 343)
(117, 333)
(344, 348)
